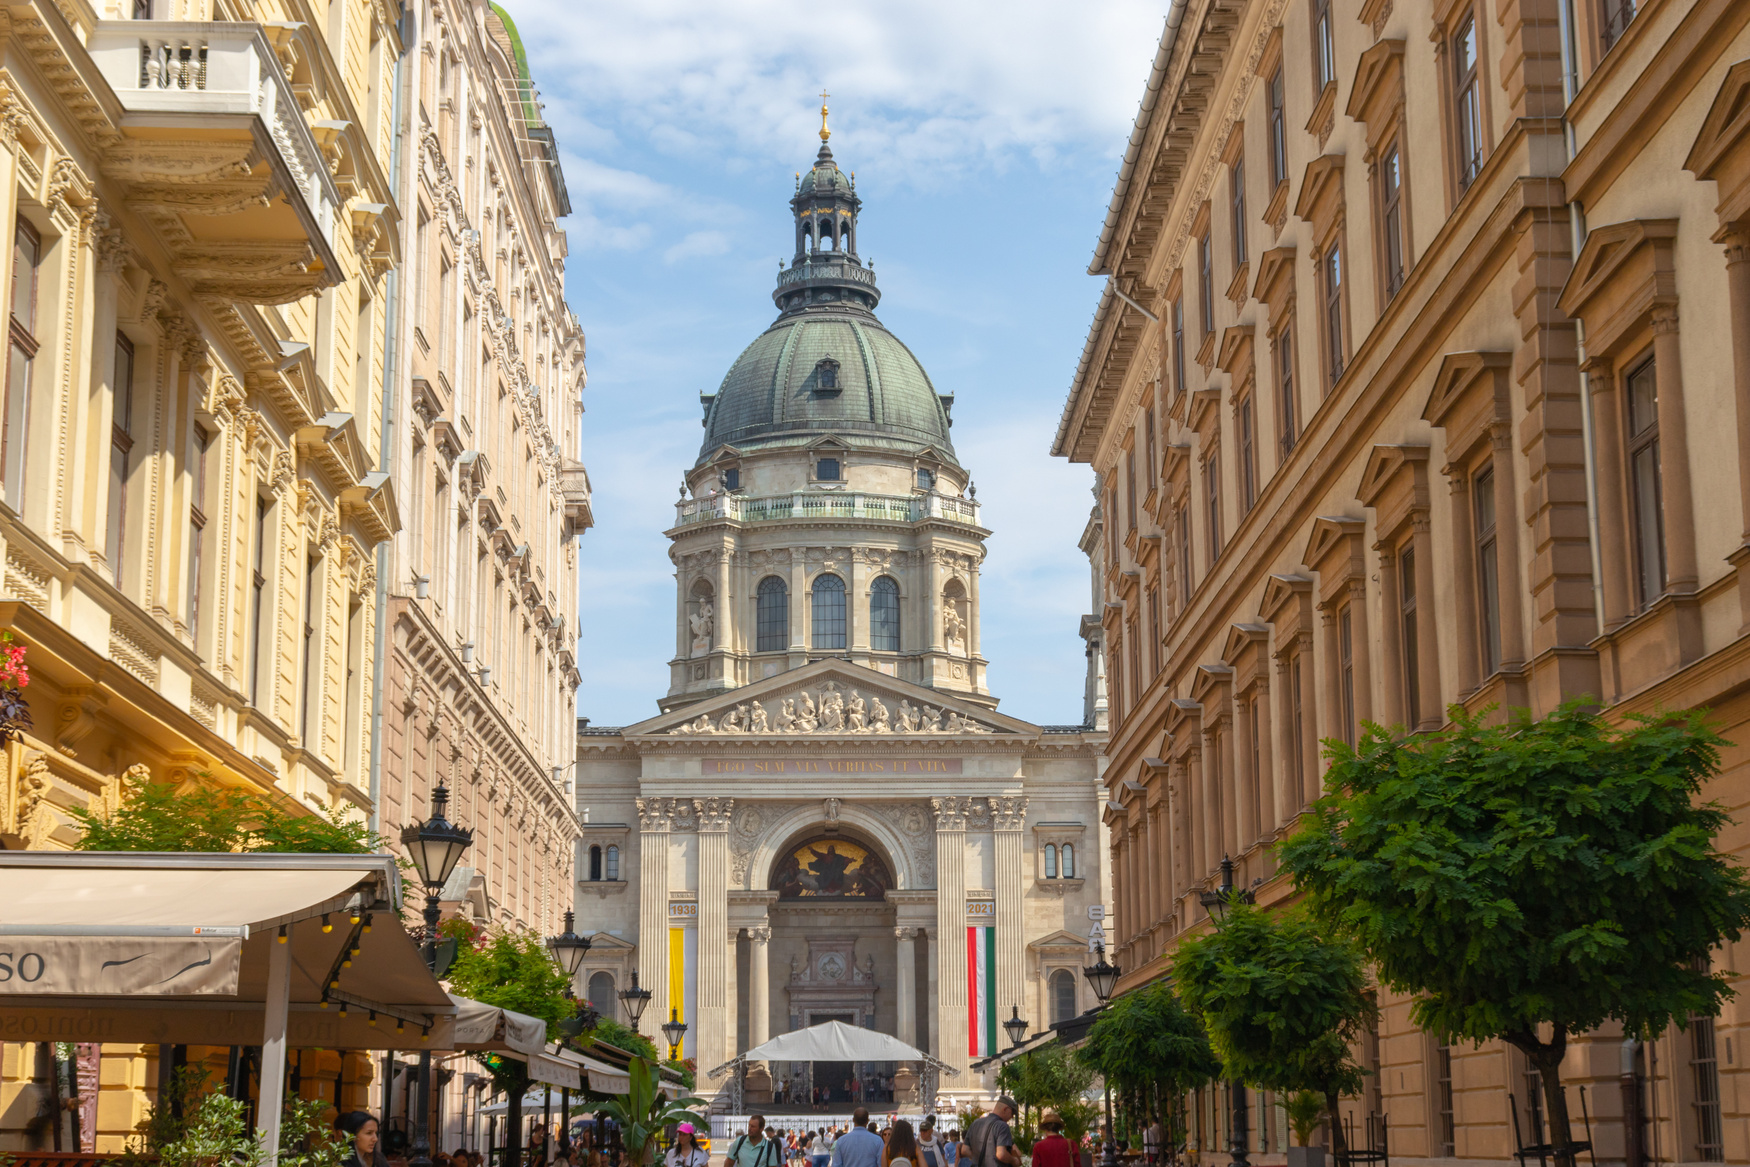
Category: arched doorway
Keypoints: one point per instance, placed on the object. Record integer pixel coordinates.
(833, 957)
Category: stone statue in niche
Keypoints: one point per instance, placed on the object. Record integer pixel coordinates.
(954, 626)
(701, 622)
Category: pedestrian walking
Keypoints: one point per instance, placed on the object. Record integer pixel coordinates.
(1051, 1149)
(929, 1146)
(902, 1147)
(860, 1146)
(686, 1151)
(989, 1141)
(754, 1149)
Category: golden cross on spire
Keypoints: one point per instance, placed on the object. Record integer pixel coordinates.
(824, 132)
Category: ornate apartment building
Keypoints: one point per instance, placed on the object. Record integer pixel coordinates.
(1421, 376)
(288, 431)
(482, 587)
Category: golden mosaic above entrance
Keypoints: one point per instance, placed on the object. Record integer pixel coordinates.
(831, 869)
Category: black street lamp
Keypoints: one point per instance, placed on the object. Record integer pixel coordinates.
(1016, 1027)
(674, 1029)
(1216, 903)
(634, 999)
(568, 950)
(435, 846)
(1104, 978)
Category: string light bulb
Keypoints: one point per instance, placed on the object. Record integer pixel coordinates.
(282, 933)
(373, 1016)
(327, 924)
(368, 918)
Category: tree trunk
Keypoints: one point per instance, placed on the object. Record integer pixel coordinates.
(513, 1122)
(1338, 1144)
(1547, 1056)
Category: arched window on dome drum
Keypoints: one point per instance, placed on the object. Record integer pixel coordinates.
(772, 623)
(1051, 861)
(884, 615)
(595, 864)
(829, 612)
(613, 875)
(1069, 861)
(601, 994)
(1063, 995)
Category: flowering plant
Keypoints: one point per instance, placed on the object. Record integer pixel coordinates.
(14, 676)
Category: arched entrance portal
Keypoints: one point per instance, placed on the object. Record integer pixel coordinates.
(833, 956)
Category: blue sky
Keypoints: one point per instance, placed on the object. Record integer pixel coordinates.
(985, 138)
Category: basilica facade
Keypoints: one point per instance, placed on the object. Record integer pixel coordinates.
(828, 819)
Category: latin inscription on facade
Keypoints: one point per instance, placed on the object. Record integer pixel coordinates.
(831, 766)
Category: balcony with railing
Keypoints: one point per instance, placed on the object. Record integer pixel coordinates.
(218, 149)
(826, 506)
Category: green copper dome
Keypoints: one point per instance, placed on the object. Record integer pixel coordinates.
(775, 389)
(827, 365)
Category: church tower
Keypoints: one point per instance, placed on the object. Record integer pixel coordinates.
(827, 515)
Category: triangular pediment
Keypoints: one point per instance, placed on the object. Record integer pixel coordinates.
(1058, 939)
(833, 699)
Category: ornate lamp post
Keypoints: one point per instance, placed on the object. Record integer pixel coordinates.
(674, 1029)
(568, 950)
(634, 999)
(1015, 1027)
(435, 846)
(1216, 904)
(1104, 978)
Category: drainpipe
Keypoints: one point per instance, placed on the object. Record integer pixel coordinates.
(1577, 240)
(386, 447)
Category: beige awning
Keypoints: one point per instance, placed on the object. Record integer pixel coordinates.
(480, 1026)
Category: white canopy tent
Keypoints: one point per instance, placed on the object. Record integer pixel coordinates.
(833, 1041)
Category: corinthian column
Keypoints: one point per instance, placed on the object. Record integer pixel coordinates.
(907, 999)
(1008, 814)
(715, 1034)
(951, 816)
(654, 816)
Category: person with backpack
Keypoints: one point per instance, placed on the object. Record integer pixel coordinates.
(753, 1149)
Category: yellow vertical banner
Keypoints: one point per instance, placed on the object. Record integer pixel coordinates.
(682, 955)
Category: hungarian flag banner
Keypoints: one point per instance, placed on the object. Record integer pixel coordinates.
(981, 989)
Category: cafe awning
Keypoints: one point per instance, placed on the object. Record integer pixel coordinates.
(216, 949)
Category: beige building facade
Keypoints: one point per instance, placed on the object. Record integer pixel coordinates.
(1421, 376)
(225, 394)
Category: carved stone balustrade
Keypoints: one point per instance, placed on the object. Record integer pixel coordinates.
(827, 506)
(219, 156)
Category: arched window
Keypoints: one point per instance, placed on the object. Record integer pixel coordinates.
(829, 612)
(772, 625)
(601, 994)
(926, 479)
(884, 614)
(1063, 995)
(1069, 861)
(595, 863)
(1051, 861)
(613, 874)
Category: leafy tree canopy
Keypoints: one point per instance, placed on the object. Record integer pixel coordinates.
(1147, 1038)
(1281, 1001)
(512, 970)
(1538, 871)
(157, 817)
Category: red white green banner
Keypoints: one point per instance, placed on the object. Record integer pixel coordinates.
(981, 990)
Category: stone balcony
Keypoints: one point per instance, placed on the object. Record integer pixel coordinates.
(826, 506)
(218, 156)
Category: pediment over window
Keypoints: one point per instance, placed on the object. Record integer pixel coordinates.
(1470, 395)
(1184, 718)
(1625, 270)
(1721, 152)
(1395, 484)
(1321, 194)
(1275, 283)
(1378, 91)
(1337, 550)
(1207, 683)
(1286, 605)
(1236, 352)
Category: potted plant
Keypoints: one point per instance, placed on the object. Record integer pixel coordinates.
(1306, 1109)
(643, 1112)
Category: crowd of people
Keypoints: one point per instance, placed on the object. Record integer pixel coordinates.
(796, 1090)
(988, 1142)
(370, 1146)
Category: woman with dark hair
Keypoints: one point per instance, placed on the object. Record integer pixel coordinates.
(902, 1147)
(360, 1130)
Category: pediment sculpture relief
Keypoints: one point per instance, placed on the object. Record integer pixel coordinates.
(833, 709)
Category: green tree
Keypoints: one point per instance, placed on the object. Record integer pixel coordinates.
(1282, 1002)
(1047, 1078)
(512, 970)
(1148, 1047)
(157, 817)
(1540, 873)
(644, 1111)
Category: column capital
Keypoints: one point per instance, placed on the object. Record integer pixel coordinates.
(760, 934)
(655, 814)
(952, 812)
(714, 813)
(1008, 812)
(905, 934)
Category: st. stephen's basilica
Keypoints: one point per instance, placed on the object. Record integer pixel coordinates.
(829, 819)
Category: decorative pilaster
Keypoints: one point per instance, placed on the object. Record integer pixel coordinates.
(906, 1000)
(951, 817)
(1008, 817)
(655, 815)
(716, 1033)
(759, 976)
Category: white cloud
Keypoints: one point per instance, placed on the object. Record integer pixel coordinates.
(919, 86)
(696, 244)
